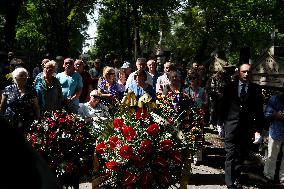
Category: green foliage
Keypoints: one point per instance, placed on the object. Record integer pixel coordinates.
(204, 26)
(53, 26)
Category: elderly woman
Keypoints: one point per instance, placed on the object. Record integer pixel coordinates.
(109, 87)
(19, 103)
(195, 92)
(94, 108)
(140, 87)
(174, 83)
(48, 88)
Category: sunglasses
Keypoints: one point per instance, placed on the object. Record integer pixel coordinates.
(192, 78)
(111, 73)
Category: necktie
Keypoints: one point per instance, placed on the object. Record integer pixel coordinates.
(243, 92)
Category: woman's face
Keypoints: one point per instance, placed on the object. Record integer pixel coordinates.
(193, 80)
(122, 76)
(110, 76)
(21, 78)
(48, 70)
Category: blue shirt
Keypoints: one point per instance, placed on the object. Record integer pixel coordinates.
(139, 91)
(70, 85)
(276, 130)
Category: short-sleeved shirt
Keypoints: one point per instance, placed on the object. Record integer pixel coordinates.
(70, 85)
(19, 109)
(49, 97)
(139, 91)
(114, 89)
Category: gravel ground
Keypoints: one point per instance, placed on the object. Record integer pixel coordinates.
(210, 174)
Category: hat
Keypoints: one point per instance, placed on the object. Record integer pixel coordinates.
(126, 65)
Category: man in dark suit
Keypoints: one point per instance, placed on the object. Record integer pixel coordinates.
(242, 113)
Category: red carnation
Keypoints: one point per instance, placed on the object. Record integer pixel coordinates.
(146, 177)
(177, 157)
(139, 162)
(69, 167)
(56, 115)
(118, 124)
(52, 135)
(165, 178)
(114, 142)
(142, 113)
(61, 120)
(126, 152)
(52, 124)
(78, 138)
(145, 147)
(129, 133)
(129, 178)
(113, 165)
(101, 147)
(153, 130)
(69, 117)
(166, 145)
(161, 162)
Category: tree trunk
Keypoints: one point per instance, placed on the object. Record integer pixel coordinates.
(13, 8)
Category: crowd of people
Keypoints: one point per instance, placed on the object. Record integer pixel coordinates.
(233, 105)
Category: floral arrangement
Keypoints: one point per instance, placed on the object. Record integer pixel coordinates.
(140, 153)
(178, 108)
(66, 141)
(144, 150)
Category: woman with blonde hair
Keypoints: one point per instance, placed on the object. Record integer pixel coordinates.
(48, 88)
(108, 86)
(19, 103)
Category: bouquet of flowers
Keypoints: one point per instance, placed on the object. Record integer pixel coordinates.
(66, 141)
(179, 109)
(140, 153)
(144, 149)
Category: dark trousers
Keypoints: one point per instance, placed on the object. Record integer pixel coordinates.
(237, 145)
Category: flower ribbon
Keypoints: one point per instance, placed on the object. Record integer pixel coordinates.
(129, 99)
(146, 98)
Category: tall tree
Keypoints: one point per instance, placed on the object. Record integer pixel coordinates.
(204, 26)
(131, 27)
(12, 10)
(59, 23)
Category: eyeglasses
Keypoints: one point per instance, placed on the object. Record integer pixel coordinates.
(111, 73)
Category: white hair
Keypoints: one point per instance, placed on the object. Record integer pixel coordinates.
(17, 72)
